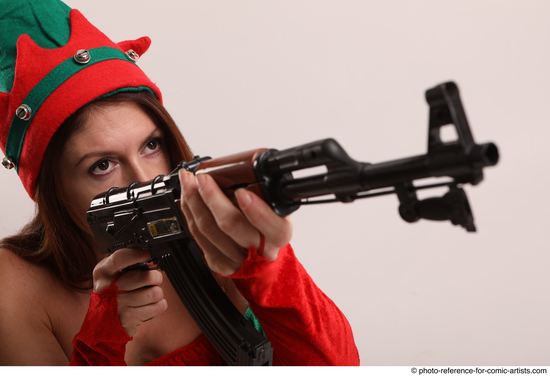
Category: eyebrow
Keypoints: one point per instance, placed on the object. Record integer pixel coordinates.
(103, 153)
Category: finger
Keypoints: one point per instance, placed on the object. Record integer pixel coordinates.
(204, 226)
(141, 297)
(136, 279)
(122, 259)
(108, 269)
(277, 230)
(201, 220)
(135, 316)
(227, 217)
(217, 261)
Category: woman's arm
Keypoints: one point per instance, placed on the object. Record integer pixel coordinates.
(119, 304)
(304, 326)
(251, 247)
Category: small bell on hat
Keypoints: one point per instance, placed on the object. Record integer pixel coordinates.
(7, 163)
(53, 62)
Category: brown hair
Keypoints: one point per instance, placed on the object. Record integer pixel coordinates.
(53, 238)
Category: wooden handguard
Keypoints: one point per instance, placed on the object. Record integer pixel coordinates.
(234, 171)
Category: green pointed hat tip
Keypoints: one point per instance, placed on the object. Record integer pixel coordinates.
(45, 21)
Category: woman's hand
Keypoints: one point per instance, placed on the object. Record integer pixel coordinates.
(224, 232)
(140, 296)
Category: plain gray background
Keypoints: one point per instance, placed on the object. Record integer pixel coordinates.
(243, 74)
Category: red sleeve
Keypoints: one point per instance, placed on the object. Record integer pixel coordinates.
(304, 326)
(102, 339)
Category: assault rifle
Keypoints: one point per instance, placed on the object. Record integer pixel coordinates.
(147, 215)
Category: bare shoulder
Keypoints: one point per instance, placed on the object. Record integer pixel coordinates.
(21, 277)
(25, 325)
(24, 284)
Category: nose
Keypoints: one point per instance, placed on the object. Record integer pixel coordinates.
(138, 172)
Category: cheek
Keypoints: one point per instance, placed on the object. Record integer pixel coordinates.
(166, 165)
(77, 198)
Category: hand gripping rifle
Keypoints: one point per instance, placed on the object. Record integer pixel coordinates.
(147, 215)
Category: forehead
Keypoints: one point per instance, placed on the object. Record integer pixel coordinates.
(111, 126)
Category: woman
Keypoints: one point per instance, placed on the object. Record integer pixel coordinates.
(86, 119)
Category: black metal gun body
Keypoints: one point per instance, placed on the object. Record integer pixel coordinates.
(147, 215)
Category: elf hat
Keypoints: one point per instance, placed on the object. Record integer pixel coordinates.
(53, 62)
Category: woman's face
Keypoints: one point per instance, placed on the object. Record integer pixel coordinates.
(117, 144)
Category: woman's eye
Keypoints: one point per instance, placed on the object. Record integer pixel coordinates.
(102, 167)
(153, 145)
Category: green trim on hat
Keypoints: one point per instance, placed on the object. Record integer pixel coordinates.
(46, 87)
(133, 89)
(45, 21)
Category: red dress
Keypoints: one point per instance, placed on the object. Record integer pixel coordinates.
(304, 326)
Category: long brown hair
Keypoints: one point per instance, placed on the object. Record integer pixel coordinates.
(53, 238)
